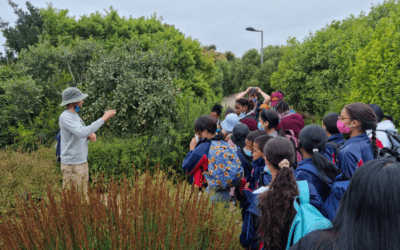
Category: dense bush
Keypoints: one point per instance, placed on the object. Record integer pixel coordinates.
(147, 212)
(137, 84)
(376, 76)
(317, 74)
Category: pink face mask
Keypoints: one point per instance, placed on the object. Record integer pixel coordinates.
(342, 127)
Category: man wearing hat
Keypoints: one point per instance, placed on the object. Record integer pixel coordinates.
(75, 137)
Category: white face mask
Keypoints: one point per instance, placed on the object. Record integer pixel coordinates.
(197, 138)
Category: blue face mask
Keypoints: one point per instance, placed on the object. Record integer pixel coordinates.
(77, 109)
(242, 115)
(254, 99)
(260, 126)
(247, 152)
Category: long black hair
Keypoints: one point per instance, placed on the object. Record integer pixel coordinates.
(379, 113)
(313, 140)
(369, 213)
(272, 117)
(207, 122)
(366, 116)
(276, 205)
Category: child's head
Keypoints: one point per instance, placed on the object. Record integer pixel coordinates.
(312, 142)
(330, 123)
(359, 117)
(229, 111)
(216, 111)
(205, 125)
(253, 93)
(259, 144)
(244, 105)
(276, 205)
(281, 107)
(370, 207)
(379, 113)
(269, 119)
(251, 137)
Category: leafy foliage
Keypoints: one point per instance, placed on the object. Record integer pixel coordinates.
(28, 27)
(376, 69)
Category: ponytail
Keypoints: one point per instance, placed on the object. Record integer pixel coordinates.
(277, 210)
(246, 102)
(388, 117)
(374, 146)
(325, 167)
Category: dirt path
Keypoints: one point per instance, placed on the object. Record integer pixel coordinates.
(229, 101)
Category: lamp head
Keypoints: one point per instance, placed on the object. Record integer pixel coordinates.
(250, 29)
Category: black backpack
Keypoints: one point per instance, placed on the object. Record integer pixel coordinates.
(336, 147)
(389, 153)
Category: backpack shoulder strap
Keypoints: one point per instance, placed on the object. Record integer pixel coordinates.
(304, 192)
(334, 144)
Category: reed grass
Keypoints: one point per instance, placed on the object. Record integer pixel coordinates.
(143, 212)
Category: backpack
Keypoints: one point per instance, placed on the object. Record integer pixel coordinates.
(224, 166)
(336, 147)
(58, 147)
(338, 187)
(261, 180)
(307, 218)
(291, 137)
(393, 137)
(389, 153)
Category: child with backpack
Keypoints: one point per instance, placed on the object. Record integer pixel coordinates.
(369, 213)
(335, 138)
(288, 209)
(386, 133)
(354, 120)
(314, 168)
(261, 175)
(212, 161)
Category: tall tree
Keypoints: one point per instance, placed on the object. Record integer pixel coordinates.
(28, 27)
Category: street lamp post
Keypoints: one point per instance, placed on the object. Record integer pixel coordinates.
(262, 53)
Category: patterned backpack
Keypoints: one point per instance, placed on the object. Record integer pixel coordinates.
(224, 167)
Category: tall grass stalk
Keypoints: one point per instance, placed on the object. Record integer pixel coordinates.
(146, 212)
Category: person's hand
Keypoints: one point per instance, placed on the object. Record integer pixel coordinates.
(193, 143)
(247, 185)
(108, 114)
(258, 90)
(248, 89)
(93, 137)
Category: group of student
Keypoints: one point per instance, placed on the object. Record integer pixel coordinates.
(282, 172)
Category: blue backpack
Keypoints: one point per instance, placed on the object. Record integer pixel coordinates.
(338, 187)
(307, 218)
(58, 149)
(224, 166)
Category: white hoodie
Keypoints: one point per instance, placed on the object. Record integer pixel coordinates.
(386, 125)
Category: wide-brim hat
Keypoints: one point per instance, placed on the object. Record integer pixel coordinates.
(231, 120)
(71, 95)
(240, 132)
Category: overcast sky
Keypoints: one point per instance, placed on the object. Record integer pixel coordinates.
(220, 22)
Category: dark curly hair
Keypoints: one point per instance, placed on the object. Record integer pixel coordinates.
(282, 107)
(366, 116)
(276, 205)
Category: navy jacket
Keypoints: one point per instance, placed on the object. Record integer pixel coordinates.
(249, 235)
(353, 153)
(329, 150)
(245, 164)
(307, 171)
(195, 159)
(258, 168)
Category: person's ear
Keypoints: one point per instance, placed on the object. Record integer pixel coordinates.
(266, 124)
(355, 124)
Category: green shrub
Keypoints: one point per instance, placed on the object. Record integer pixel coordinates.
(146, 212)
(376, 76)
(137, 84)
